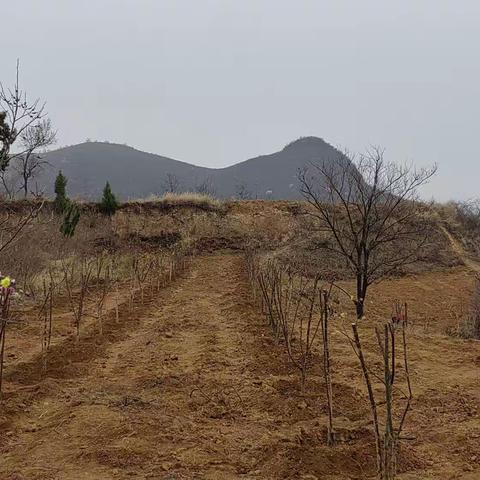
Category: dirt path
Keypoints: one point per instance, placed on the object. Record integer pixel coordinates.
(193, 391)
(457, 247)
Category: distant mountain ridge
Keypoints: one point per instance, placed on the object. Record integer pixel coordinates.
(136, 174)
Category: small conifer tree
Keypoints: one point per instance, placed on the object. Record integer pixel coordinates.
(70, 220)
(61, 200)
(109, 204)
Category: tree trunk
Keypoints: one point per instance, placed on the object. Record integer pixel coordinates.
(371, 397)
(389, 438)
(359, 308)
(361, 294)
(326, 367)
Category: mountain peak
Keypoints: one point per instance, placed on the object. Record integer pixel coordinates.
(136, 174)
(306, 142)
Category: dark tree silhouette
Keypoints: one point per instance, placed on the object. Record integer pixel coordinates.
(109, 204)
(70, 220)
(61, 200)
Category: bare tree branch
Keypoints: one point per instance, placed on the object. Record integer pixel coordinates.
(371, 210)
(19, 114)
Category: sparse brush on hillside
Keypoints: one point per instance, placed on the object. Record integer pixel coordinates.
(463, 220)
(468, 214)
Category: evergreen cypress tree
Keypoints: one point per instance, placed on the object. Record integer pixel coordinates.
(109, 204)
(61, 200)
(70, 220)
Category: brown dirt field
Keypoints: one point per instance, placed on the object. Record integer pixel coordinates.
(192, 386)
(25, 331)
(437, 301)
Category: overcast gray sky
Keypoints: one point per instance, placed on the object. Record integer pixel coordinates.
(214, 82)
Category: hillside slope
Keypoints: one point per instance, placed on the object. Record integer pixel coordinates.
(277, 172)
(132, 173)
(136, 174)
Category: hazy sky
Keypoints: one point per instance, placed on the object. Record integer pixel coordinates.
(214, 82)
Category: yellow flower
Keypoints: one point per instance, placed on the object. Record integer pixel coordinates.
(5, 282)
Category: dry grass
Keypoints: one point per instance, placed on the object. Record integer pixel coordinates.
(187, 199)
(469, 324)
(462, 219)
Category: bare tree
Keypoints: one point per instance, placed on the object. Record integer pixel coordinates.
(370, 208)
(77, 273)
(171, 183)
(10, 181)
(468, 212)
(242, 192)
(45, 314)
(13, 226)
(19, 115)
(104, 280)
(206, 187)
(34, 140)
(325, 314)
(296, 308)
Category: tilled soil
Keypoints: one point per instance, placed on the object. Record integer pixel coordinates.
(191, 385)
